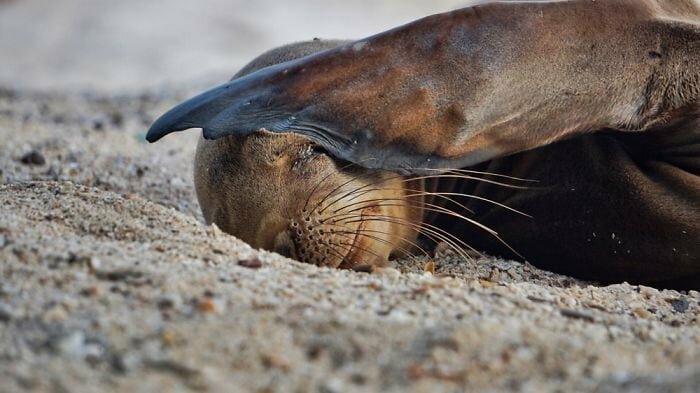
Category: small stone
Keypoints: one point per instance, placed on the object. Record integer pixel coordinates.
(170, 338)
(177, 182)
(648, 292)
(513, 274)
(363, 268)
(486, 283)
(126, 274)
(214, 231)
(332, 386)
(169, 302)
(55, 314)
(577, 314)
(92, 291)
(429, 267)
(271, 361)
(387, 271)
(254, 263)
(72, 345)
(33, 158)
(641, 312)
(123, 362)
(495, 275)
(6, 313)
(116, 118)
(566, 301)
(210, 305)
(358, 379)
(680, 305)
(93, 263)
(443, 249)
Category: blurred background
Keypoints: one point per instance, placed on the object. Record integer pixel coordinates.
(125, 45)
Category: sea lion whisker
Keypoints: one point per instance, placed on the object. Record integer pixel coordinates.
(313, 190)
(441, 195)
(363, 232)
(473, 172)
(416, 194)
(346, 234)
(472, 197)
(345, 263)
(442, 234)
(367, 203)
(430, 207)
(442, 210)
(358, 191)
(331, 248)
(355, 190)
(505, 243)
(445, 195)
(354, 246)
(333, 192)
(436, 209)
(457, 174)
(433, 235)
(402, 238)
(465, 177)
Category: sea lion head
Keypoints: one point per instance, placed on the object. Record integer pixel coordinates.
(283, 192)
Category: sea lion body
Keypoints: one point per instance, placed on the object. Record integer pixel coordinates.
(608, 127)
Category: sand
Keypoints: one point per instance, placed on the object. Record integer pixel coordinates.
(110, 281)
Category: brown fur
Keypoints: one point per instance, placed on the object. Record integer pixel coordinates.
(602, 98)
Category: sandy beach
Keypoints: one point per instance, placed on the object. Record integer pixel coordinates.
(111, 281)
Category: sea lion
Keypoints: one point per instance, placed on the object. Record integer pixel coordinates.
(599, 101)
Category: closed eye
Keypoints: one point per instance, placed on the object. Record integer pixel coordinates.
(318, 149)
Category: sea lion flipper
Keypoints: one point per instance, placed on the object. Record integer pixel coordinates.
(217, 111)
(456, 89)
(193, 113)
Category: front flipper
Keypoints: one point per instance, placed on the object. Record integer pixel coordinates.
(456, 89)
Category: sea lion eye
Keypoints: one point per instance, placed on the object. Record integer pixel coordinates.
(318, 149)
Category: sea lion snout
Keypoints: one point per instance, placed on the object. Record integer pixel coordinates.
(283, 193)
